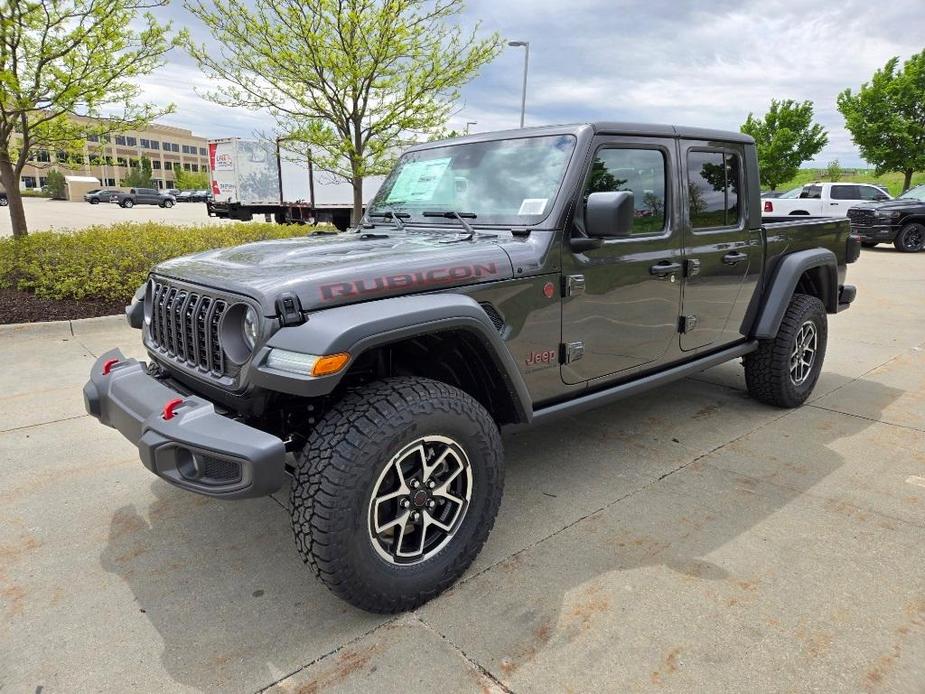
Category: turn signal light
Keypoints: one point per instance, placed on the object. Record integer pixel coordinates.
(768, 206)
(330, 364)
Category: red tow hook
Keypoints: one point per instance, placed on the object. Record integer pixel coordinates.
(170, 409)
(108, 364)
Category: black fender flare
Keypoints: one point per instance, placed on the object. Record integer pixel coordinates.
(784, 282)
(357, 328)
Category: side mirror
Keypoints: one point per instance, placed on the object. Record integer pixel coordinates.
(609, 214)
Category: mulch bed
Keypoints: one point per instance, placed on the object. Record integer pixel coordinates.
(22, 307)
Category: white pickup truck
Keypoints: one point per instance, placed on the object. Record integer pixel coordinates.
(822, 200)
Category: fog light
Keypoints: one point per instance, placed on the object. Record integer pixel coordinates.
(306, 364)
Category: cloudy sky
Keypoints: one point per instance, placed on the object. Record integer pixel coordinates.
(706, 63)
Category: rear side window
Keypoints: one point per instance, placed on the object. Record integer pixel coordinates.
(713, 181)
(639, 171)
(811, 193)
(845, 193)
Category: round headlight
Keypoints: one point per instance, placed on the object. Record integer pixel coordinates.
(249, 328)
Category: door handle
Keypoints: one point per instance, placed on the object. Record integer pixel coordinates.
(666, 267)
(734, 258)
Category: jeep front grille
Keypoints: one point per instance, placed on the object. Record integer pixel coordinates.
(184, 326)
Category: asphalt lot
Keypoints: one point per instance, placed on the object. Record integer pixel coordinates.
(43, 214)
(688, 539)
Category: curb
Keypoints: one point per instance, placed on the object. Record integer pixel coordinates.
(62, 329)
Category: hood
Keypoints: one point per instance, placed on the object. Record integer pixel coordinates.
(897, 204)
(325, 271)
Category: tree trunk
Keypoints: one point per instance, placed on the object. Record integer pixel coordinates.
(10, 181)
(908, 182)
(357, 201)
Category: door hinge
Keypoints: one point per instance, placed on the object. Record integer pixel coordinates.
(686, 324)
(571, 351)
(574, 285)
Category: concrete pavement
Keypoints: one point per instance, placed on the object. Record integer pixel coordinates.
(688, 539)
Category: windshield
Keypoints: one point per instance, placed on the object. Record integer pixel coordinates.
(498, 181)
(917, 193)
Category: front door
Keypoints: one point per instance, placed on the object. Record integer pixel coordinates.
(621, 303)
(722, 254)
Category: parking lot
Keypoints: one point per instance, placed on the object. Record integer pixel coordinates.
(43, 214)
(689, 539)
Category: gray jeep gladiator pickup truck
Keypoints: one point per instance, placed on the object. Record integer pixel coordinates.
(498, 281)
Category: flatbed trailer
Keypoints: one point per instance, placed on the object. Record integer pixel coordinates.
(284, 212)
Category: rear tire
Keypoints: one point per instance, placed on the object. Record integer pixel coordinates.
(167, 203)
(783, 371)
(94, 201)
(361, 478)
(911, 238)
(128, 204)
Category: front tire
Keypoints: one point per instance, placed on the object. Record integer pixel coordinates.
(911, 238)
(128, 204)
(396, 491)
(168, 204)
(94, 201)
(783, 371)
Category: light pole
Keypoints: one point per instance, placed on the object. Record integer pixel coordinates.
(470, 122)
(523, 98)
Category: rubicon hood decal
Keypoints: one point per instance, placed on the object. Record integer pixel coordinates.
(327, 271)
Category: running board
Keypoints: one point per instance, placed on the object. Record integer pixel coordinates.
(639, 385)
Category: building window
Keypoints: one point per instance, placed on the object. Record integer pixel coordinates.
(186, 167)
(93, 138)
(43, 181)
(155, 144)
(168, 183)
(159, 183)
(203, 151)
(156, 164)
(168, 165)
(28, 181)
(110, 182)
(166, 146)
(121, 161)
(196, 167)
(131, 141)
(41, 155)
(133, 163)
(120, 139)
(146, 144)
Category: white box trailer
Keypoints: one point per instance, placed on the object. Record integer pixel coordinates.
(247, 179)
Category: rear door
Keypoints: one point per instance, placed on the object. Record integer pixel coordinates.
(842, 197)
(722, 256)
(621, 302)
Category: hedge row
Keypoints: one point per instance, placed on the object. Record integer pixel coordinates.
(110, 262)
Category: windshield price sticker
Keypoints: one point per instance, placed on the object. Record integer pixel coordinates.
(418, 180)
(532, 206)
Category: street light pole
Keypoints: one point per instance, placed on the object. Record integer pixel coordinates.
(523, 98)
(470, 122)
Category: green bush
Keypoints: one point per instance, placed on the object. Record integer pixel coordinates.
(110, 262)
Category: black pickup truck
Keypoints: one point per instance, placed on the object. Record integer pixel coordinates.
(498, 281)
(900, 221)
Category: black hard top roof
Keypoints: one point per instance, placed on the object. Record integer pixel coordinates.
(603, 128)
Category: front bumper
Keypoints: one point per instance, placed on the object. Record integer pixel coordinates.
(877, 232)
(196, 448)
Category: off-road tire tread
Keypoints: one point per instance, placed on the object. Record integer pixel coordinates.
(767, 369)
(329, 465)
(898, 241)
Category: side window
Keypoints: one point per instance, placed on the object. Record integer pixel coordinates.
(639, 171)
(713, 180)
(845, 193)
(811, 193)
(870, 193)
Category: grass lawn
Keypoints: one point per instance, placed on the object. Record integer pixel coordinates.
(893, 182)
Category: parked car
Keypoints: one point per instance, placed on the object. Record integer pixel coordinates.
(173, 191)
(388, 359)
(771, 194)
(143, 196)
(900, 222)
(95, 197)
(823, 200)
(184, 196)
(4, 201)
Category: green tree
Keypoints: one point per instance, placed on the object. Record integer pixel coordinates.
(347, 81)
(140, 176)
(785, 137)
(62, 62)
(834, 171)
(886, 117)
(57, 187)
(191, 180)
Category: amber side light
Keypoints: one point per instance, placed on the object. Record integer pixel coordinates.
(330, 364)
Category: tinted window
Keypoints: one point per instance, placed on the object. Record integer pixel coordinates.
(811, 193)
(713, 189)
(845, 193)
(870, 193)
(639, 171)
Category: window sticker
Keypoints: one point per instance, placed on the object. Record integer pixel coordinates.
(418, 180)
(532, 206)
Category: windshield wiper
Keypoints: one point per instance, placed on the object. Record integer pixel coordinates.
(453, 214)
(392, 214)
